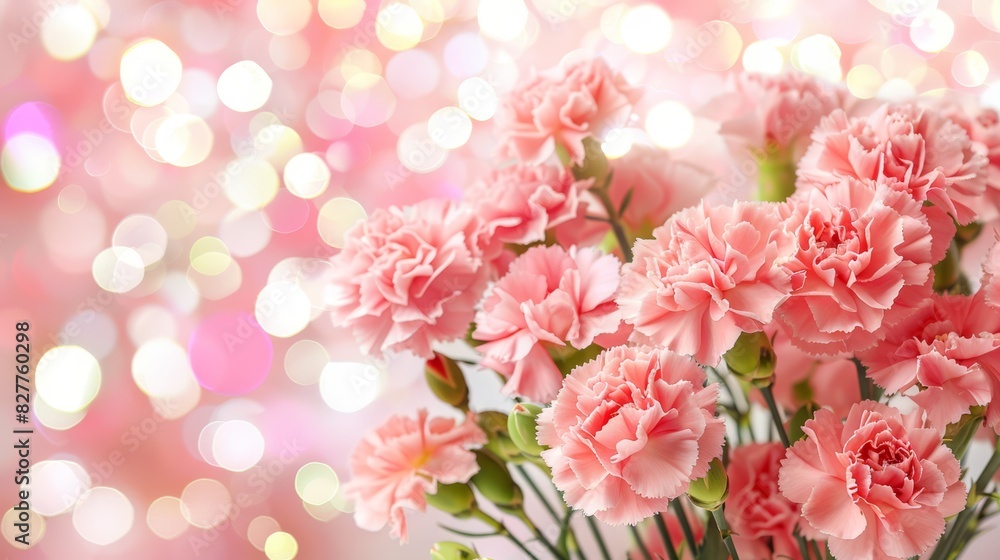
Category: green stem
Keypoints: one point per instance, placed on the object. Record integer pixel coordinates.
(685, 526)
(815, 547)
(665, 535)
(538, 535)
(614, 220)
(538, 492)
(727, 534)
(864, 385)
(775, 414)
(502, 530)
(640, 544)
(605, 554)
(956, 532)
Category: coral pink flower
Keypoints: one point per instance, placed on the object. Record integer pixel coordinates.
(774, 113)
(408, 278)
(549, 296)
(983, 127)
(708, 274)
(519, 202)
(396, 465)
(762, 519)
(879, 486)
(866, 252)
(629, 431)
(930, 154)
(562, 107)
(949, 346)
(800, 377)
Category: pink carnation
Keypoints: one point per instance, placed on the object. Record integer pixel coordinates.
(629, 431)
(550, 296)
(408, 278)
(991, 277)
(396, 465)
(948, 346)
(775, 113)
(800, 377)
(519, 202)
(928, 153)
(984, 130)
(562, 107)
(879, 486)
(708, 274)
(762, 519)
(866, 252)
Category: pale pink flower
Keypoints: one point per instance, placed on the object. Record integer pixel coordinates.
(520, 202)
(762, 519)
(395, 466)
(879, 485)
(866, 252)
(708, 274)
(774, 113)
(408, 278)
(561, 107)
(983, 127)
(548, 298)
(948, 346)
(930, 154)
(629, 431)
(800, 377)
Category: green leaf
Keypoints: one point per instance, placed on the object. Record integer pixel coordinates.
(626, 201)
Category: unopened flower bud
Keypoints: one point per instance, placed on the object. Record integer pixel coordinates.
(710, 491)
(494, 481)
(494, 423)
(752, 358)
(453, 499)
(448, 550)
(522, 425)
(446, 381)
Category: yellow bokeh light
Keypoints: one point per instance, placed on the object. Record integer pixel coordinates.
(184, 140)
(244, 86)
(150, 72)
(617, 143)
(763, 57)
(646, 29)
(30, 163)
(252, 183)
(165, 519)
(118, 269)
(284, 17)
(69, 32)
(204, 503)
(611, 22)
(818, 55)
(398, 26)
(341, 14)
(970, 68)
(281, 546)
(259, 529)
(449, 127)
(336, 217)
(503, 20)
(316, 483)
(864, 81)
(68, 378)
(306, 175)
(358, 61)
(210, 256)
(669, 124)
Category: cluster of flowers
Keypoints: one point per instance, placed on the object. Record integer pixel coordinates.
(604, 291)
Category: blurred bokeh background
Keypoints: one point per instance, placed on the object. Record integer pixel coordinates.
(177, 173)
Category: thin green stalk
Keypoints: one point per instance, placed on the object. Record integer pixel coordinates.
(640, 544)
(815, 547)
(775, 414)
(685, 526)
(538, 535)
(956, 532)
(864, 385)
(727, 534)
(665, 535)
(614, 220)
(605, 554)
(538, 492)
(502, 530)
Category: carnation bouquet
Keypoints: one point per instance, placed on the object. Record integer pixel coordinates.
(795, 370)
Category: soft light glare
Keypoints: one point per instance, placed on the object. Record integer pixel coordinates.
(449, 127)
(252, 184)
(150, 72)
(284, 17)
(160, 368)
(103, 515)
(617, 143)
(818, 55)
(341, 14)
(244, 86)
(118, 269)
(646, 29)
(398, 26)
(69, 32)
(763, 57)
(669, 124)
(281, 546)
(30, 163)
(970, 68)
(68, 378)
(863, 81)
(336, 217)
(306, 175)
(282, 309)
(933, 31)
(316, 483)
(503, 20)
(165, 519)
(478, 98)
(349, 386)
(183, 140)
(56, 486)
(237, 446)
